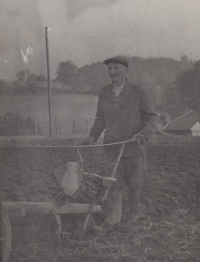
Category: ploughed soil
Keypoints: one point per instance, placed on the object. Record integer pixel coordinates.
(169, 226)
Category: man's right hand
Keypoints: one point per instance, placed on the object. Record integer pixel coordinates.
(88, 141)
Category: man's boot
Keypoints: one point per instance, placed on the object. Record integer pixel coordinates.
(133, 201)
(114, 213)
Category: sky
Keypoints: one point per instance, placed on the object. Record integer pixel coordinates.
(87, 31)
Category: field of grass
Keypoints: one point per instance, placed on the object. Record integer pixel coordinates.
(169, 229)
(67, 108)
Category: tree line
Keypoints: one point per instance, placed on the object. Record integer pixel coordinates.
(174, 86)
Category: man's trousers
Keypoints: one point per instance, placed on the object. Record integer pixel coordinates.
(130, 173)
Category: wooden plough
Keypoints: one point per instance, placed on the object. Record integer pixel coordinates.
(21, 209)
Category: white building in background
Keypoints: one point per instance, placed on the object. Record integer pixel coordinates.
(187, 124)
(196, 129)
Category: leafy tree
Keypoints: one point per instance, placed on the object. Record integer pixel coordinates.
(67, 73)
(188, 85)
(149, 72)
(185, 94)
(41, 78)
(184, 59)
(2, 83)
(31, 78)
(27, 76)
(22, 75)
(2, 86)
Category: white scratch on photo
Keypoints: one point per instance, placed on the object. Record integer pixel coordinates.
(29, 51)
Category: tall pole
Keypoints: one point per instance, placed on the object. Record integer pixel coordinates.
(48, 79)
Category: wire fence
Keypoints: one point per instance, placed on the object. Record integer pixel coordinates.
(62, 126)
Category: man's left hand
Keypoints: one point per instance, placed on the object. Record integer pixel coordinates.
(141, 139)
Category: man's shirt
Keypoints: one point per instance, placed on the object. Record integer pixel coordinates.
(117, 90)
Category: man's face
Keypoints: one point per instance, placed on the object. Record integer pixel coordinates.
(117, 72)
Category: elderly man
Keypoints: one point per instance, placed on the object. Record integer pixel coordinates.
(123, 111)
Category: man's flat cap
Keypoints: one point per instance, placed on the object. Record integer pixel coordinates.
(116, 59)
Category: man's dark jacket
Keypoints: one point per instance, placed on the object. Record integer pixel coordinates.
(132, 114)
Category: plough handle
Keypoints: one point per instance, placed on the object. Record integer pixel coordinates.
(115, 169)
(116, 164)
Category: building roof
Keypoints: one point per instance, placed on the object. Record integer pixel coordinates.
(196, 127)
(184, 122)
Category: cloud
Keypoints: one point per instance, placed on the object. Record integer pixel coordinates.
(78, 6)
(140, 28)
(87, 31)
(77, 38)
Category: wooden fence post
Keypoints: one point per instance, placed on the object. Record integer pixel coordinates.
(86, 126)
(48, 79)
(35, 124)
(73, 126)
(56, 124)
